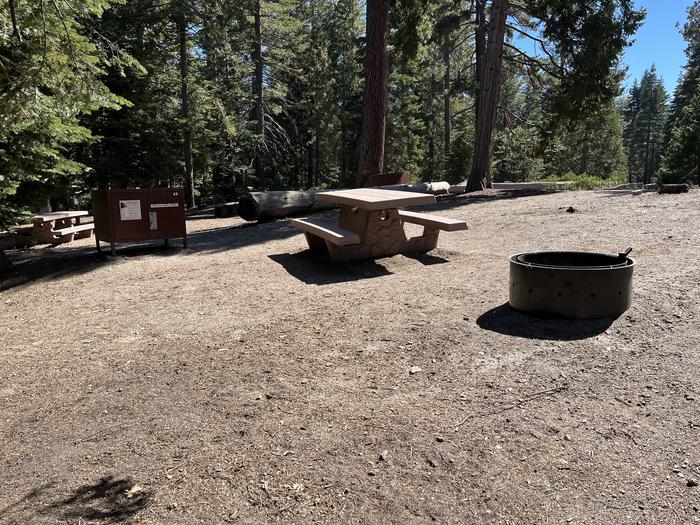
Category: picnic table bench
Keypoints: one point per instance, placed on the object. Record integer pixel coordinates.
(370, 225)
(58, 227)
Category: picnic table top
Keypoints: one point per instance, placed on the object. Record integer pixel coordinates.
(375, 199)
(56, 215)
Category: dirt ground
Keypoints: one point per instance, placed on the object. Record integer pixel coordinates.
(243, 381)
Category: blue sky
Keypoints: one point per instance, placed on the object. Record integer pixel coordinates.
(658, 42)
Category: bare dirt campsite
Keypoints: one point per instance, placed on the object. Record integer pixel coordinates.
(242, 380)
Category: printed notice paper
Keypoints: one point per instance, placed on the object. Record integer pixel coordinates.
(130, 210)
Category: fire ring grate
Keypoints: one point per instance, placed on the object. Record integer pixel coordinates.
(574, 285)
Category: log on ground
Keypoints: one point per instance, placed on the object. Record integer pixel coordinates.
(274, 204)
(674, 188)
(5, 264)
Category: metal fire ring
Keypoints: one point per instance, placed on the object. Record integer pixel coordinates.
(574, 285)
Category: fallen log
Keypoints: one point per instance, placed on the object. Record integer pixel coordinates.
(274, 204)
(226, 209)
(5, 264)
(436, 188)
(674, 188)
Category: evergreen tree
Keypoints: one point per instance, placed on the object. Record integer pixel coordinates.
(571, 51)
(644, 132)
(52, 64)
(681, 160)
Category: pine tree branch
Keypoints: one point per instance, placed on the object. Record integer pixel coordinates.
(13, 16)
(540, 41)
(530, 61)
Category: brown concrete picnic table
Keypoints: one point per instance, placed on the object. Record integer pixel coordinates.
(59, 227)
(370, 224)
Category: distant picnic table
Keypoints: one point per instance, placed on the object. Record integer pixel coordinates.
(370, 224)
(60, 226)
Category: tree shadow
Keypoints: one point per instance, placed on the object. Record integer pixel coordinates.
(66, 261)
(447, 202)
(240, 235)
(309, 268)
(21, 504)
(35, 264)
(108, 500)
(504, 320)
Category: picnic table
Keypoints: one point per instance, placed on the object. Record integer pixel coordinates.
(61, 226)
(370, 225)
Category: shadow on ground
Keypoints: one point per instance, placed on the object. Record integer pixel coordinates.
(504, 320)
(57, 263)
(108, 500)
(313, 269)
(49, 263)
(309, 268)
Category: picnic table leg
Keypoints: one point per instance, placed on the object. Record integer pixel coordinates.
(114, 252)
(424, 243)
(385, 234)
(316, 244)
(97, 242)
(381, 234)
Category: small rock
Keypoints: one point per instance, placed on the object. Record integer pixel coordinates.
(692, 482)
(431, 463)
(414, 370)
(371, 473)
(383, 455)
(440, 439)
(570, 209)
(567, 437)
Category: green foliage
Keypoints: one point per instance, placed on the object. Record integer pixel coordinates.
(585, 181)
(681, 161)
(643, 135)
(586, 39)
(66, 126)
(513, 159)
(52, 64)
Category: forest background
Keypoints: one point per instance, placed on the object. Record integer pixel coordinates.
(224, 96)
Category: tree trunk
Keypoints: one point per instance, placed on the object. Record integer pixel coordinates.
(317, 156)
(375, 92)
(448, 108)
(488, 93)
(585, 154)
(480, 57)
(645, 164)
(309, 163)
(185, 108)
(258, 111)
(13, 17)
